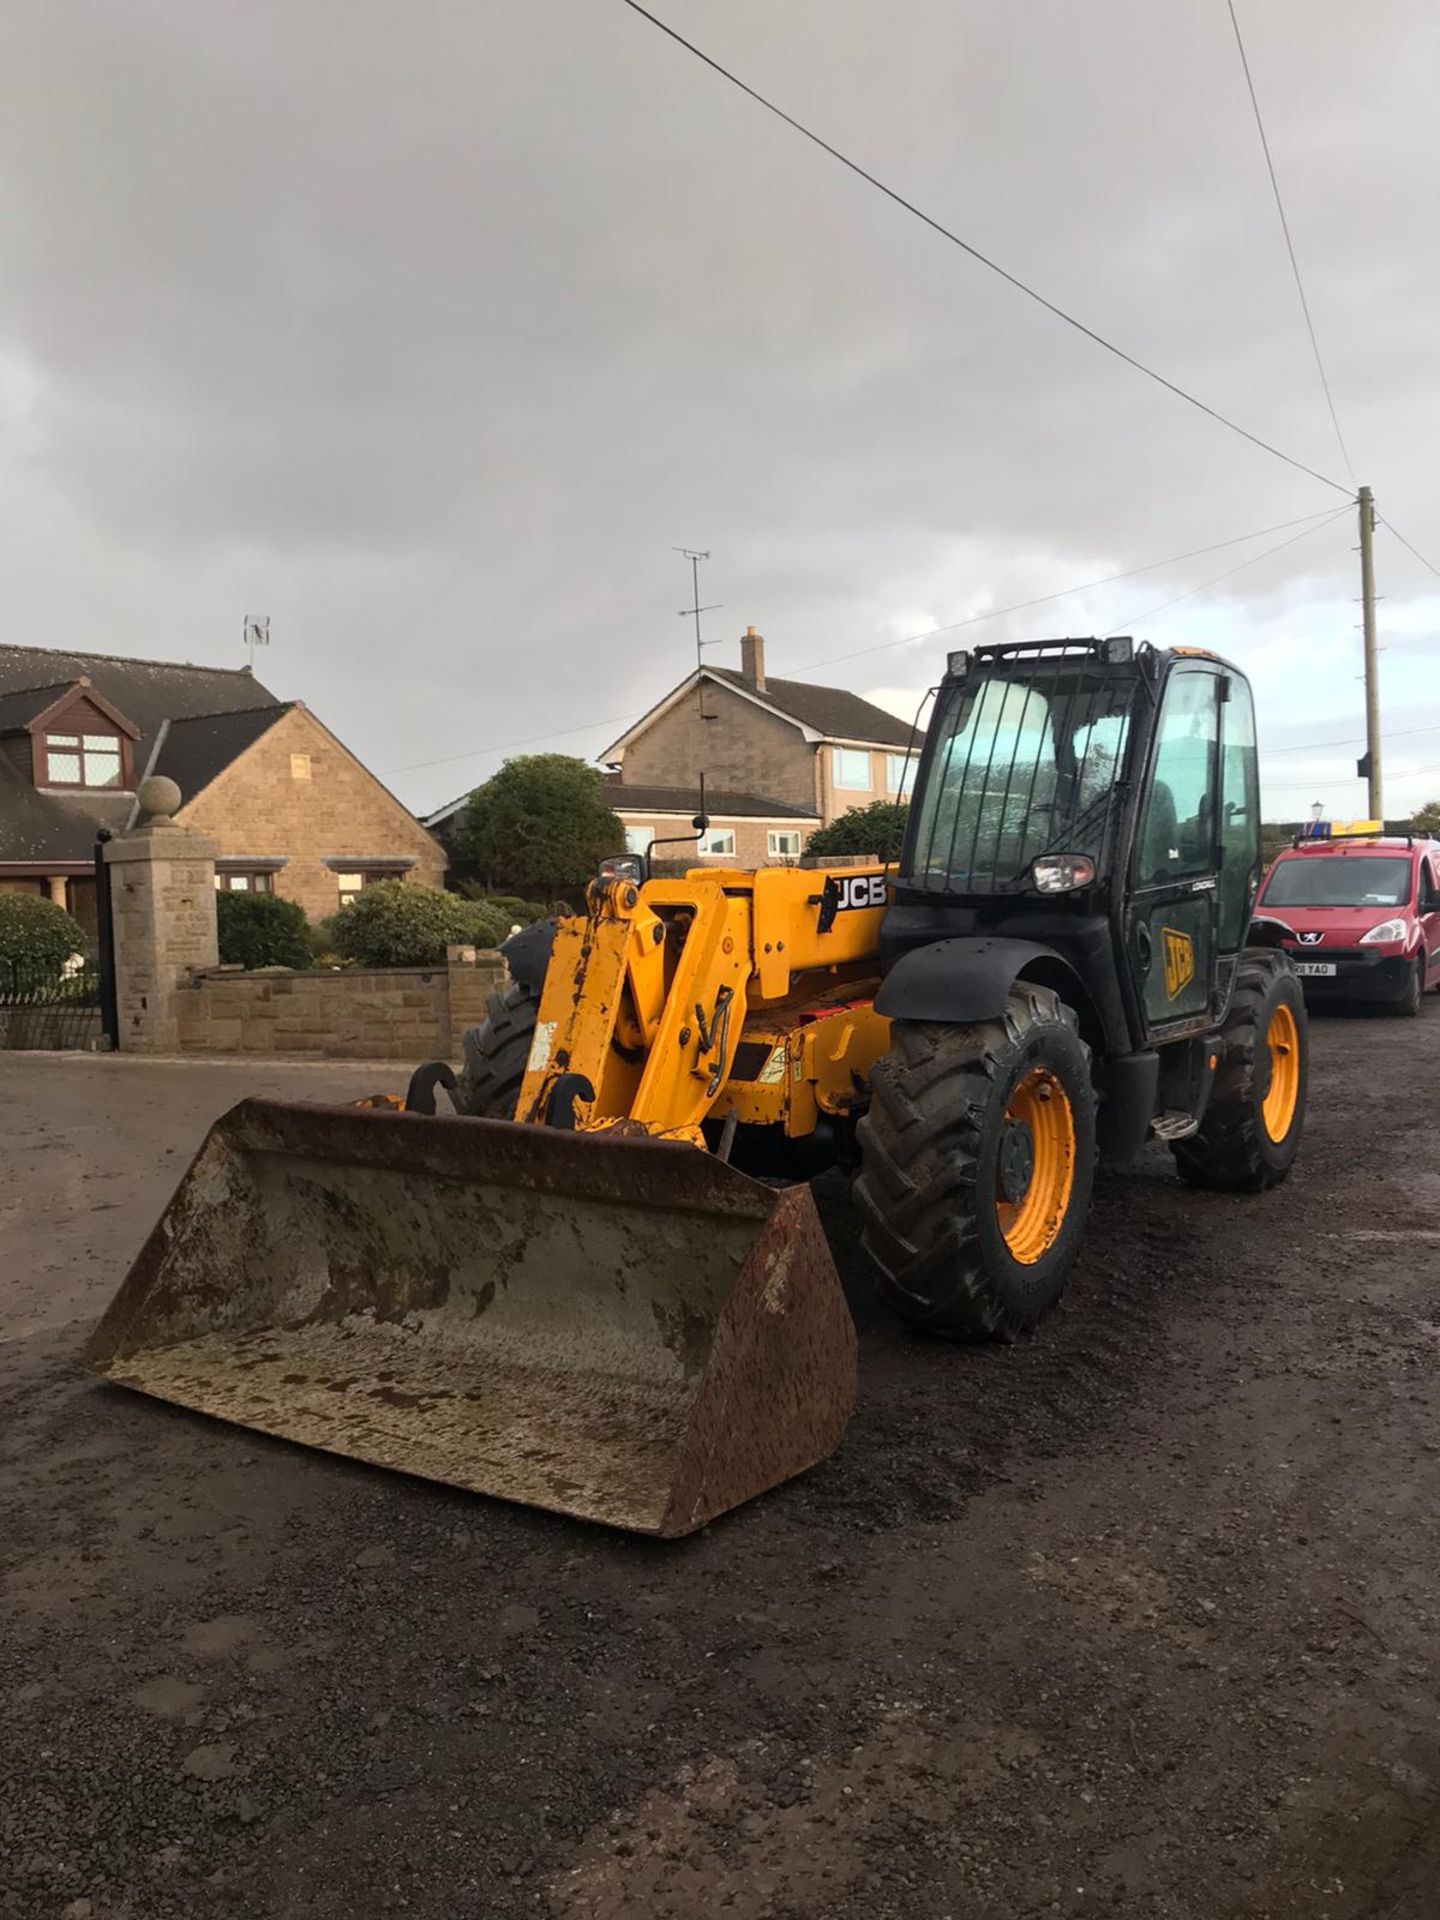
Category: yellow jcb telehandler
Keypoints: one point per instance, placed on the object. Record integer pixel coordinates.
(601, 1286)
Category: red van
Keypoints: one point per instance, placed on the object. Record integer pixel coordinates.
(1365, 916)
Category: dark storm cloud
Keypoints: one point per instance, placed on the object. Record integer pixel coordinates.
(431, 329)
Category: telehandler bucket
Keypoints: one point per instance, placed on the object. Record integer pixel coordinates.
(626, 1330)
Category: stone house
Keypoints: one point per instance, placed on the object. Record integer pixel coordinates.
(780, 757)
(292, 809)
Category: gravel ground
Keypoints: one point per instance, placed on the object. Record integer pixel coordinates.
(1138, 1617)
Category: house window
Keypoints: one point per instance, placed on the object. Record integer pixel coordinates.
(783, 843)
(351, 884)
(299, 766)
(82, 759)
(899, 773)
(720, 840)
(851, 768)
(238, 881)
(637, 839)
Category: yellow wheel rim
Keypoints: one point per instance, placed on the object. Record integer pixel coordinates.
(1277, 1109)
(1037, 1166)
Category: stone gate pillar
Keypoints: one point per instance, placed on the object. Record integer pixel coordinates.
(162, 888)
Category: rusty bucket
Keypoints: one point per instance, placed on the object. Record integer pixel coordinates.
(625, 1330)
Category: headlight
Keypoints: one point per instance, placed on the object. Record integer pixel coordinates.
(1063, 872)
(1388, 930)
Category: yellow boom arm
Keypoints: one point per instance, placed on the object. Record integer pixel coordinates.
(660, 996)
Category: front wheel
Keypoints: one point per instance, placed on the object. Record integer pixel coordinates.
(1413, 998)
(1251, 1130)
(496, 1055)
(977, 1158)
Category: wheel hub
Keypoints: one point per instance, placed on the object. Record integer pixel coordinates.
(1017, 1161)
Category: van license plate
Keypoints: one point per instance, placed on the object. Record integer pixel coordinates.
(1316, 969)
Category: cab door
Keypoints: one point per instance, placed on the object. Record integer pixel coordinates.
(1175, 870)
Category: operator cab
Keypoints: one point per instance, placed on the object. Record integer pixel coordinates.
(1101, 797)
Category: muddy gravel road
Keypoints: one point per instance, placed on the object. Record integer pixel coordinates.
(1138, 1617)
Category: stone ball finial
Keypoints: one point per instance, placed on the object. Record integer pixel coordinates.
(159, 799)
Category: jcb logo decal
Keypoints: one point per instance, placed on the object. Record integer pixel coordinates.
(1179, 961)
(861, 890)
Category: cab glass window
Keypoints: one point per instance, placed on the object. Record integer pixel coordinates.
(1176, 840)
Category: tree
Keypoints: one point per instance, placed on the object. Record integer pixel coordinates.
(877, 830)
(1427, 819)
(261, 930)
(541, 824)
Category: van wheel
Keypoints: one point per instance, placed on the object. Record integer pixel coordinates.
(1413, 998)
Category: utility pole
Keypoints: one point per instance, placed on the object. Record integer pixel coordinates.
(695, 556)
(1370, 766)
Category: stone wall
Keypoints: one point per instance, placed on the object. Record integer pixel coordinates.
(298, 794)
(162, 897)
(407, 1014)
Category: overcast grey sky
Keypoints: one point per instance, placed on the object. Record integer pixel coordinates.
(430, 328)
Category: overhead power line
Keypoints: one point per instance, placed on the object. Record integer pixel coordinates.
(1310, 522)
(1289, 242)
(1319, 746)
(1135, 619)
(1065, 593)
(947, 233)
(1415, 550)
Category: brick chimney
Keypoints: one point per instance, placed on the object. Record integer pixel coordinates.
(752, 659)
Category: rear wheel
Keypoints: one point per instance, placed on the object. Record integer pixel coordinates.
(1251, 1130)
(976, 1162)
(496, 1053)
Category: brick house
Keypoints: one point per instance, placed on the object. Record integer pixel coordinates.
(294, 812)
(779, 746)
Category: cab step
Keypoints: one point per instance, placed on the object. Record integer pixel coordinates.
(1175, 1124)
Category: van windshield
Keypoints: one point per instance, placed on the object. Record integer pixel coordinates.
(1340, 880)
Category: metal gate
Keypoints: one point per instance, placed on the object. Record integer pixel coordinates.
(45, 1006)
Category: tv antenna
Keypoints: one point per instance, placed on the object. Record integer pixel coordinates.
(257, 634)
(695, 556)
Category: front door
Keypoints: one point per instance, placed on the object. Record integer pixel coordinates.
(1173, 917)
(1428, 907)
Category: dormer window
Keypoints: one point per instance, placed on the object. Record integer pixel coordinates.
(82, 759)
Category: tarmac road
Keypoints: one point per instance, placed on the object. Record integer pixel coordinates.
(1138, 1617)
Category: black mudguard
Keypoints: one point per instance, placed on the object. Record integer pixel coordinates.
(965, 979)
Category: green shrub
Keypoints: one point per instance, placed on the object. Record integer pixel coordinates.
(876, 830)
(525, 912)
(393, 924)
(36, 934)
(262, 930)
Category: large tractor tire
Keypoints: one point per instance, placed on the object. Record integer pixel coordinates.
(1251, 1131)
(496, 1053)
(977, 1160)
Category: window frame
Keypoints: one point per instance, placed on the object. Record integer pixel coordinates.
(80, 752)
(772, 834)
(254, 879)
(906, 782)
(838, 757)
(708, 852)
